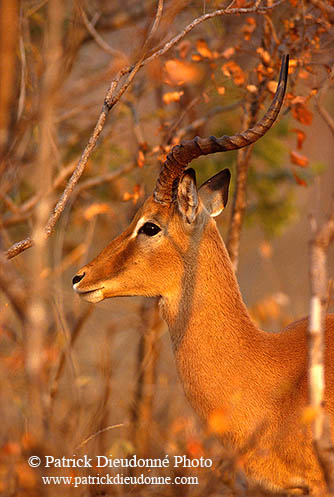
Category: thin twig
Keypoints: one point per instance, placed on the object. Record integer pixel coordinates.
(99, 40)
(108, 428)
(321, 238)
(74, 335)
(202, 120)
(105, 178)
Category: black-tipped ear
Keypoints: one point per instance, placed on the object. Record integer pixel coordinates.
(214, 192)
(187, 195)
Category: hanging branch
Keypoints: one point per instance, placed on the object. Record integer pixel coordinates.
(321, 238)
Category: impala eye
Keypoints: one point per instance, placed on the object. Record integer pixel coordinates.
(149, 229)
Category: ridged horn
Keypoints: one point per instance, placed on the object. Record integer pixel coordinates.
(181, 155)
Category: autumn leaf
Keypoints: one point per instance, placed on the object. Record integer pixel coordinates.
(95, 209)
(172, 96)
(252, 88)
(231, 68)
(221, 90)
(265, 56)
(249, 28)
(298, 159)
(272, 86)
(140, 158)
(300, 137)
(203, 49)
(135, 196)
(293, 63)
(302, 114)
(299, 180)
(228, 52)
(179, 72)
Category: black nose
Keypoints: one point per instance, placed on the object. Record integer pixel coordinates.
(77, 278)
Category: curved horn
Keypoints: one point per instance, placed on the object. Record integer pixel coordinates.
(181, 155)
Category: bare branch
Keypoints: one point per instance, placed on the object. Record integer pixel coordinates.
(105, 178)
(103, 430)
(99, 40)
(239, 199)
(202, 120)
(321, 239)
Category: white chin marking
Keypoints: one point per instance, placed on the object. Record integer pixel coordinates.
(93, 297)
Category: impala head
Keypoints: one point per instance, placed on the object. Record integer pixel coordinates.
(149, 256)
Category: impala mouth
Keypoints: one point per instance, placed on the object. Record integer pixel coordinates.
(92, 296)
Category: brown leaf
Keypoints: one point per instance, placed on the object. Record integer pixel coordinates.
(300, 137)
(179, 72)
(172, 96)
(265, 56)
(252, 88)
(228, 52)
(249, 27)
(299, 180)
(302, 114)
(203, 49)
(303, 74)
(298, 159)
(231, 68)
(135, 196)
(272, 86)
(95, 209)
(293, 63)
(140, 158)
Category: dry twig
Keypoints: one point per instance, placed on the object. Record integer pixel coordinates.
(321, 238)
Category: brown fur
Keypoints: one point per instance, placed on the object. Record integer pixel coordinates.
(258, 379)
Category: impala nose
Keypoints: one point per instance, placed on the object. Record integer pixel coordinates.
(77, 278)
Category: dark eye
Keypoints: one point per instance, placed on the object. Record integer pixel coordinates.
(149, 229)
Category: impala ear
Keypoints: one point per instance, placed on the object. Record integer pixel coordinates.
(187, 195)
(214, 192)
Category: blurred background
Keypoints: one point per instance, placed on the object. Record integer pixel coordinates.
(78, 378)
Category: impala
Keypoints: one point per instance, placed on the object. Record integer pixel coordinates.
(172, 249)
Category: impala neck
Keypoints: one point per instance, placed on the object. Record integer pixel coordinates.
(218, 349)
(209, 302)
